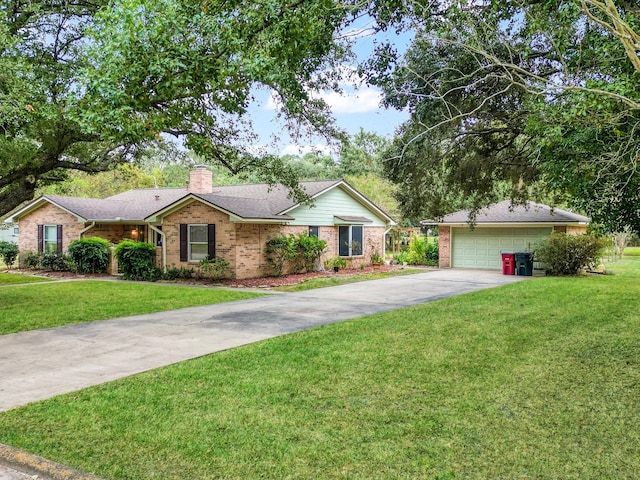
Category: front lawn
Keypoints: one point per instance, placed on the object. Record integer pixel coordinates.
(537, 379)
(15, 278)
(32, 307)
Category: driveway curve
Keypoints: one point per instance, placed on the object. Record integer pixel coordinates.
(40, 364)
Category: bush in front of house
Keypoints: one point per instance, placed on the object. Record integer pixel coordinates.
(8, 252)
(90, 255)
(308, 250)
(31, 260)
(280, 250)
(563, 254)
(421, 252)
(56, 262)
(213, 268)
(136, 261)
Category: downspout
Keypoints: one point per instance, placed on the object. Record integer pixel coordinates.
(93, 224)
(384, 242)
(164, 245)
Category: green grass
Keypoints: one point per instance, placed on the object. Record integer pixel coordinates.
(537, 379)
(633, 251)
(16, 278)
(33, 307)
(332, 281)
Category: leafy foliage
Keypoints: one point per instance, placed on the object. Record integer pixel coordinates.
(563, 254)
(90, 255)
(335, 262)
(89, 85)
(309, 249)
(57, 262)
(527, 100)
(280, 250)
(30, 260)
(8, 252)
(214, 268)
(136, 260)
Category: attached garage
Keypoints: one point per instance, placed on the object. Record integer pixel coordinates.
(500, 228)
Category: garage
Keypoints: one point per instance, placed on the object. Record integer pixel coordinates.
(501, 227)
(481, 247)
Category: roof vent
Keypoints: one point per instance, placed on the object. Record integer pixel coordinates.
(157, 197)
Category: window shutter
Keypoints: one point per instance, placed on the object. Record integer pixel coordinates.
(211, 239)
(183, 243)
(59, 239)
(40, 238)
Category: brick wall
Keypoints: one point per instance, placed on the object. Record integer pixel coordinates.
(47, 215)
(197, 212)
(444, 246)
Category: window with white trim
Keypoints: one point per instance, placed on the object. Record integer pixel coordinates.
(50, 239)
(350, 240)
(198, 241)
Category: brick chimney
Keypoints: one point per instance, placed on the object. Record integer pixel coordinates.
(201, 180)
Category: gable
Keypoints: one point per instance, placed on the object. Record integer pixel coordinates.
(336, 202)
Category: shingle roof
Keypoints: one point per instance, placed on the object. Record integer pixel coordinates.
(504, 212)
(252, 201)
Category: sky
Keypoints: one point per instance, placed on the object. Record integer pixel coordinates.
(359, 106)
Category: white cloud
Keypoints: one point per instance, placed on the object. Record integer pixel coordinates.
(356, 101)
(351, 100)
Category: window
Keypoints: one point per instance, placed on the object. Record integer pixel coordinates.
(314, 232)
(50, 239)
(16, 230)
(197, 241)
(350, 238)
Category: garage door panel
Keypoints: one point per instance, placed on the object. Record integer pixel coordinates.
(481, 247)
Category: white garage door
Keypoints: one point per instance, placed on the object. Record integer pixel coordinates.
(481, 247)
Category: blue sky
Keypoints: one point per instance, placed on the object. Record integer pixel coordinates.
(359, 106)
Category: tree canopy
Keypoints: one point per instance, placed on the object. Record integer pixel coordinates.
(519, 99)
(87, 85)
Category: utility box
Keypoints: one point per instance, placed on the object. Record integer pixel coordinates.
(524, 263)
(508, 263)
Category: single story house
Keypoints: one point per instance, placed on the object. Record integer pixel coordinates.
(501, 227)
(233, 222)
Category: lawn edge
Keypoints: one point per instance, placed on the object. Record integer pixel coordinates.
(40, 467)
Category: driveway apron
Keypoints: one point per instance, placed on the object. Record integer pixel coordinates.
(40, 364)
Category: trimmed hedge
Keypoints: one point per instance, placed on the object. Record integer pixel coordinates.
(90, 255)
(137, 261)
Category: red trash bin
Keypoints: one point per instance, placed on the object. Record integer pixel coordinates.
(508, 263)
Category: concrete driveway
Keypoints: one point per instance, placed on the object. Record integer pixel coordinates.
(40, 364)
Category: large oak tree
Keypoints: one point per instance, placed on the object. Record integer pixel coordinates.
(87, 84)
(526, 99)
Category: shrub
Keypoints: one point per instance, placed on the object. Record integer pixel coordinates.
(182, 272)
(57, 262)
(8, 252)
(432, 255)
(214, 268)
(90, 255)
(308, 249)
(137, 261)
(401, 258)
(418, 251)
(563, 254)
(335, 262)
(280, 250)
(31, 260)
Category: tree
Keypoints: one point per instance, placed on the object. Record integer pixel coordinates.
(87, 85)
(361, 153)
(522, 99)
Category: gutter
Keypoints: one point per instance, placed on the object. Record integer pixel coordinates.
(164, 245)
(93, 224)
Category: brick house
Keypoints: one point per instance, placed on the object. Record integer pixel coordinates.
(498, 228)
(233, 222)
